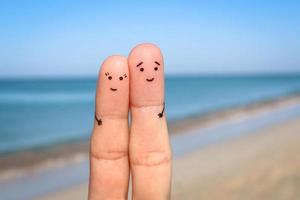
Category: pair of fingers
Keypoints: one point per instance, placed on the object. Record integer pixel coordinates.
(136, 83)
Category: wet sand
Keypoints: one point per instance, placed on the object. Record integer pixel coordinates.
(262, 165)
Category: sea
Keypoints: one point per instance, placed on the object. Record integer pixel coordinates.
(36, 113)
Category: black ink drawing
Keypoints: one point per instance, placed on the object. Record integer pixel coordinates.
(161, 114)
(139, 64)
(99, 121)
(142, 69)
(149, 80)
(110, 78)
(121, 77)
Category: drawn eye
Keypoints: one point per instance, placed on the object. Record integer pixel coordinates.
(121, 78)
(109, 77)
(141, 69)
(155, 68)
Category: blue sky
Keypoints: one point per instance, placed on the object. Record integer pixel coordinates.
(71, 38)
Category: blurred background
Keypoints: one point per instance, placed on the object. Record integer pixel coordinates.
(232, 93)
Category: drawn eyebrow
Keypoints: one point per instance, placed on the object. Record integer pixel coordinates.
(157, 62)
(139, 64)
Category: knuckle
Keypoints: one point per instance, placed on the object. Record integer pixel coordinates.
(108, 155)
(152, 158)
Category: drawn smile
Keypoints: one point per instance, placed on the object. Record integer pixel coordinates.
(113, 89)
(149, 80)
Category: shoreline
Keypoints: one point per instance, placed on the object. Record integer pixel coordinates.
(230, 113)
(18, 163)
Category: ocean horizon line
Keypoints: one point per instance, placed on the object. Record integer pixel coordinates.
(168, 75)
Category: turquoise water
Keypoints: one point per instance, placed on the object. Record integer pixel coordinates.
(36, 113)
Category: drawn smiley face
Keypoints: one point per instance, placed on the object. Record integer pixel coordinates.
(142, 69)
(110, 78)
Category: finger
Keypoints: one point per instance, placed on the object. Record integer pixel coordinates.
(150, 152)
(109, 165)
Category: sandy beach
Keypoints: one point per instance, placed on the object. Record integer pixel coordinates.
(262, 164)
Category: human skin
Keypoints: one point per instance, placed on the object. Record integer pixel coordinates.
(145, 152)
(109, 164)
(149, 149)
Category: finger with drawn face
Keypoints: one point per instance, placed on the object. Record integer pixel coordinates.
(149, 149)
(109, 165)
